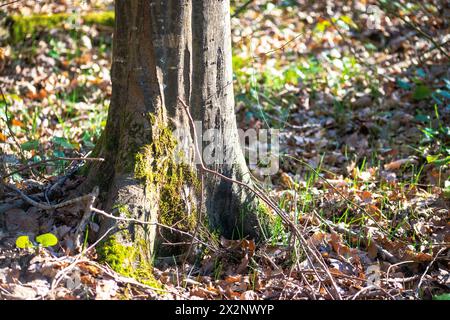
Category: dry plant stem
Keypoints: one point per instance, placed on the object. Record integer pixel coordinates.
(8, 3)
(342, 195)
(283, 46)
(297, 263)
(85, 219)
(363, 290)
(340, 229)
(36, 164)
(284, 216)
(416, 28)
(108, 215)
(43, 206)
(426, 271)
(62, 273)
(394, 266)
(11, 132)
(241, 8)
(426, 36)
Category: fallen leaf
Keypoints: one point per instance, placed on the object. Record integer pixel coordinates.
(372, 250)
(232, 279)
(395, 165)
(243, 265)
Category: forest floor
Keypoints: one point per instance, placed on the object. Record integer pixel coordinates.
(361, 96)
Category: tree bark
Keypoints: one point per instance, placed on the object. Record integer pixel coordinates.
(164, 50)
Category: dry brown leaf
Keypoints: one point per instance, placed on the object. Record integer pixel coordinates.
(335, 241)
(395, 165)
(374, 212)
(417, 256)
(89, 269)
(17, 123)
(87, 279)
(243, 265)
(372, 250)
(287, 181)
(366, 196)
(232, 279)
(199, 292)
(316, 239)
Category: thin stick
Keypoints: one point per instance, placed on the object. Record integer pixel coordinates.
(395, 265)
(35, 164)
(338, 192)
(108, 215)
(59, 276)
(426, 271)
(241, 8)
(8, 3)
(41, 205)
(283, 46)
(283, 215)
(11, 132)
(390, 10)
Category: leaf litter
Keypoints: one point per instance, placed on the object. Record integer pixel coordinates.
(360, 120)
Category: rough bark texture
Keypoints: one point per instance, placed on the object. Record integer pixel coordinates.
(165, 50)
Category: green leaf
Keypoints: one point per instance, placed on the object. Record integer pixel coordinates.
(422, 118)
(443, 161)
(421, 92)
(24, 242)
(63, 142)
(445, 296)
(430, 132)
(322, 25)
(349, 21)
(431, 158)
(30, 145)
(403, 84)
(47, 239)
(59, 154)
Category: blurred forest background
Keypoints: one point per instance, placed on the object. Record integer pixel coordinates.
(360, 90)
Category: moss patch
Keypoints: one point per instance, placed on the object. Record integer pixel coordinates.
(128, 260)
(156, 166)
(22, 26)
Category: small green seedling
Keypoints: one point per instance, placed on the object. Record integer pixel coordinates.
(23, 242)
(43, 240)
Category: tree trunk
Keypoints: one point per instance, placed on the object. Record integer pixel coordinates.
(165, 50)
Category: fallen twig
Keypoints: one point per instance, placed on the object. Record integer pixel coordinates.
(11, 132)
(108, 215)
(41, 205)
(283, 215)
(35, 164)
(426, 271)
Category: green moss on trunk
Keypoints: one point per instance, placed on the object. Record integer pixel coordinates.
(157, 168)
(128, 259)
